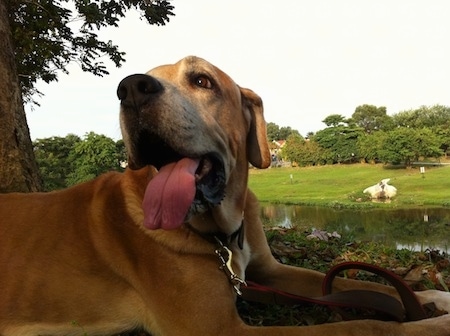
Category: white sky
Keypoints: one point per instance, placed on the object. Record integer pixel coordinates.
(307, 59)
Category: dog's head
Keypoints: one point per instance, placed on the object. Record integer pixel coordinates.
(200, 130)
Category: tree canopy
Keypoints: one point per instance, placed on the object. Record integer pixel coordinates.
(275, 132)
(370, 135)
(405, 145)
(65, 161)
(334, 120)
(425, 116)
(371, 118)
(48, 35)
(39, 39)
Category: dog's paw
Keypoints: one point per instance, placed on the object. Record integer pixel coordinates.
(441, 299)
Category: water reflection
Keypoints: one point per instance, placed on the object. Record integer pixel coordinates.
(416, 229)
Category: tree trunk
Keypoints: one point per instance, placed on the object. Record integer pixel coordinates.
(18, 167)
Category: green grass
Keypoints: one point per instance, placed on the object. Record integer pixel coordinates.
(342, 185)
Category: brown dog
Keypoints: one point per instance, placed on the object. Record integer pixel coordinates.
(137, 250)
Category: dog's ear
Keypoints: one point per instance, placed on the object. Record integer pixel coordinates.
(258, 153)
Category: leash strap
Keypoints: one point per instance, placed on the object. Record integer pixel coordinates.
(413, 309)
(386, 306)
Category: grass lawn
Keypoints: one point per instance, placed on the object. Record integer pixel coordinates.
(342, 185)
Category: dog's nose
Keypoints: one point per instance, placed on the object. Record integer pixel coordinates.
(136, 89)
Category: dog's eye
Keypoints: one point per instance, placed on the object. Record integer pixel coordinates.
(203, 82)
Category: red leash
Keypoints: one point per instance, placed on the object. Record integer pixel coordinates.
(385, 306)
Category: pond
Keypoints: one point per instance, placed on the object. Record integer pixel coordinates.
(416, 229)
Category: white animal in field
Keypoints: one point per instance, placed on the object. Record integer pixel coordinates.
(381, 190)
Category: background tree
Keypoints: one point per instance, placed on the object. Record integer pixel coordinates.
(406, 145)
(309, 135)
(436, 118)
(372, 118)
(121, 153)
(428, 144)
(340, 142)
(275, 132)
(37, 41)
(65, 161)
(52, 155)
(398, 146)
(292, 151)
(286, 132)
(424, 116)
(334, 120)
(93, 156)
(369, 146)
(305, 152)
(443, 132)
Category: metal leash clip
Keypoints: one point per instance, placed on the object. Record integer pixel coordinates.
(226, 266)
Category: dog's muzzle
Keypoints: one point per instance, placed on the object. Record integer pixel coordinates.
(188, 183)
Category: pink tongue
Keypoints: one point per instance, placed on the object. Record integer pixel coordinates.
(169, 195)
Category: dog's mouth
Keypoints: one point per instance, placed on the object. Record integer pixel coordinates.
(185, 185)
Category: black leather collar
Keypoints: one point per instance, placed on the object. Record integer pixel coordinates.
(226, 240)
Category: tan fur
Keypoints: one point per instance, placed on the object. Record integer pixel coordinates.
(79, 261)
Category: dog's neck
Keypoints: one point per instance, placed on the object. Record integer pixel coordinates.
(236, 237)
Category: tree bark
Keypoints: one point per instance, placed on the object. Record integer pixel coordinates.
(18, 167)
